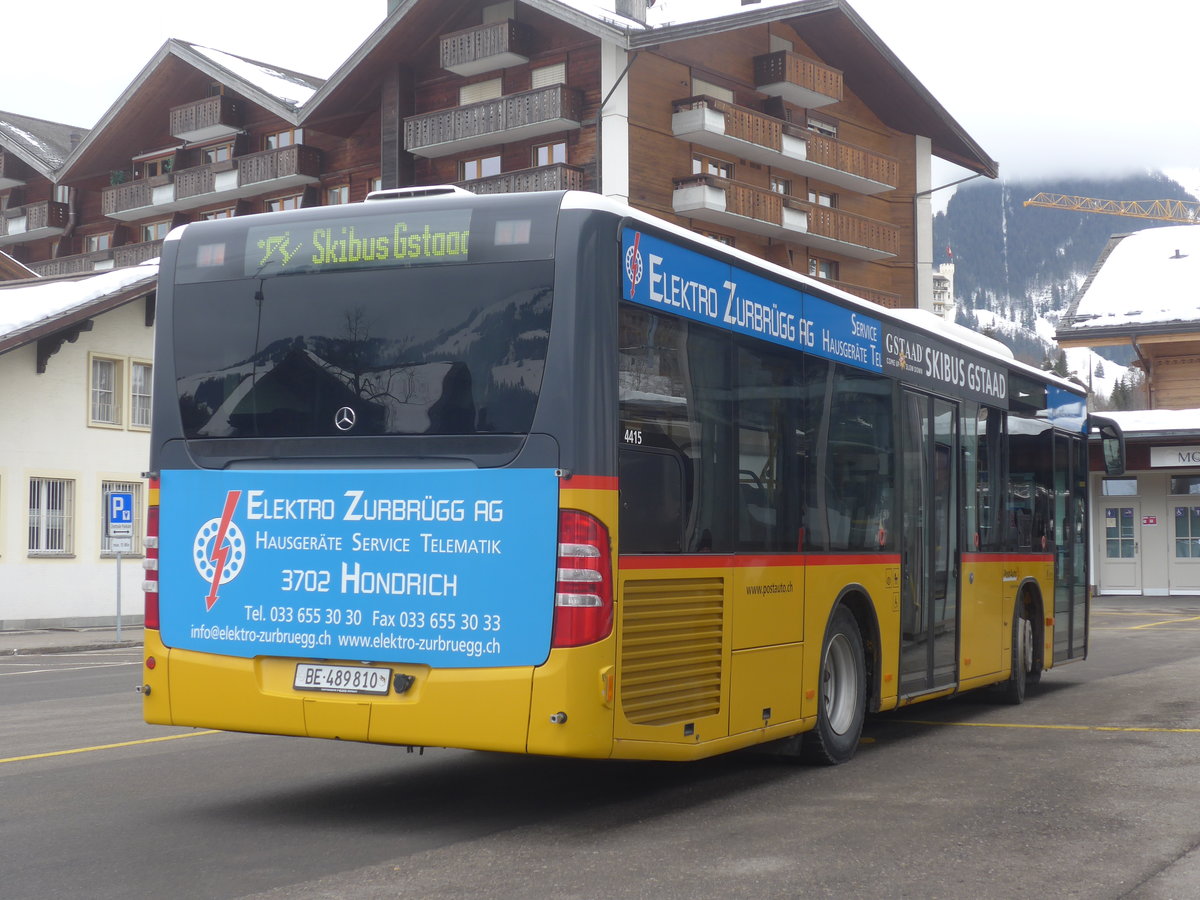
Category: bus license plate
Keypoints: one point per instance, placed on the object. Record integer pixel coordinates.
(342, 679)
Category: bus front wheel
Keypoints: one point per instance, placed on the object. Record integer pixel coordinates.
(1013, 690)
(842, 693)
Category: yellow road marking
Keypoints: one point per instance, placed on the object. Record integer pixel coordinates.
(1136, 728)
(169, 737)
(1166, 622)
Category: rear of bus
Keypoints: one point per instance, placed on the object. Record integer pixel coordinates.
(384, 476)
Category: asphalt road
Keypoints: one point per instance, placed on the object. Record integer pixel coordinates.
(1091, 789)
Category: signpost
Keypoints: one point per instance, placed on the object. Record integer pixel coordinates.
(118, 526)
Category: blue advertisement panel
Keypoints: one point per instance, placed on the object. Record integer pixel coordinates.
(442, 568)
(682, 282)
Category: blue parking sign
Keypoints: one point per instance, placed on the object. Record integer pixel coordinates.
(119, 513)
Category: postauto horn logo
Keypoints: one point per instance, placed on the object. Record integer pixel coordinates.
(219, 550)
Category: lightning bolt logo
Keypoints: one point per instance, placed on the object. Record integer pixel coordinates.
(220, 549)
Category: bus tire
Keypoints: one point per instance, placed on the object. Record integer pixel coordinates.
(1013, 690)
(841, 694)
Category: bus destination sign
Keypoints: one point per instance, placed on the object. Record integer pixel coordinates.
(674, 279)
(358, 241)
(923, 360)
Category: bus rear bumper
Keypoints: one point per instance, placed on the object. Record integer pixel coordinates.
(483, 709)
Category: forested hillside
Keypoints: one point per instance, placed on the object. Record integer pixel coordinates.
(1017, 268)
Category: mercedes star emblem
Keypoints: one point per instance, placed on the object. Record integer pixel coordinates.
(344, 418)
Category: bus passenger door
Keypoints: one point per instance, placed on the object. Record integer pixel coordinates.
(929, 544)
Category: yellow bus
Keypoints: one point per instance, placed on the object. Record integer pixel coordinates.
(539, 473)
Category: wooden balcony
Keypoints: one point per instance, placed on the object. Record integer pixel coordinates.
(769, 214)
(247, 176)
(558, 177)
(132, 254)
(207, 119)
(748, 134)
(517, 117)
(97, 261)
(485, 48)
(883, 298)
(797, 79)
(13, 171)
(32, 222)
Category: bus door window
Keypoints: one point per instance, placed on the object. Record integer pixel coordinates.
(674, 397)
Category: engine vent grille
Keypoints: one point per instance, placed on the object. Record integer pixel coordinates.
(671, 649)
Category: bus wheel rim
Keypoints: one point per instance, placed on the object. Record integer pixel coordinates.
(839, 684)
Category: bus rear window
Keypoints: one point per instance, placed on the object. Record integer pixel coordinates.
(443, 350)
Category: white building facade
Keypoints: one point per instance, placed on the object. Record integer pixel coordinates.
(74, 415)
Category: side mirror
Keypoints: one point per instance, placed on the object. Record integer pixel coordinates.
(1112, 443)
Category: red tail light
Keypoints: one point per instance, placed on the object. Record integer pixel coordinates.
(583, 590)
(150, 585)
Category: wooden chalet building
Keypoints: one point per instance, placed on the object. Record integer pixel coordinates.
(787, 129)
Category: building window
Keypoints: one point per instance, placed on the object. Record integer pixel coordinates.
(702, 88)
(708, 165)
(822, 126)
(1119, 487)
(720, 238)
(781, 185)
(139, 394)
(822, 268)
(51, 512)
(480, 167)
(94, 243)
(1187, 532)
(127, 487)
(822, 198)
(278, 204)
(1185, 484)
(335, 196)
(154, 166)
(544, 76)
(216, 153)
(215, 214)
(479, 91)
(549, 154)
(155, 231)
(105, 387)
(376, 184)
(286, 138)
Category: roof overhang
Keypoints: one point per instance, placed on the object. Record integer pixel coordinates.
(76, 315)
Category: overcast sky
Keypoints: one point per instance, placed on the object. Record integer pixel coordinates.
(1044, 86)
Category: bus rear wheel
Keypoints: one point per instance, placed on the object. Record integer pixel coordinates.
(842, 693)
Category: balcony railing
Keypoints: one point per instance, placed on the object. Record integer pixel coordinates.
(255, 173)
(485, 48)
(764, 139)
(797, 79)
(770, 214)
(33, 222)
(883, 298)
(13, 171)
(74, 265)
(515, 117)
(558, 177)
(132, 254)
(207, 119)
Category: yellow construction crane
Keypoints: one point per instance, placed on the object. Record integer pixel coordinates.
(1185, 212)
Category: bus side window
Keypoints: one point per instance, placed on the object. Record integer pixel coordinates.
(653, 485)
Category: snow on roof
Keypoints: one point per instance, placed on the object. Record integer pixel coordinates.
(1150, 277)
(681, 12)
(49, 143)
(289, 87)
(1149, 421)
(25, 305)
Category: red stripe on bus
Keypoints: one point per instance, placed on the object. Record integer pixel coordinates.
(589, 483)
(1008, 557)
(759, 562)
